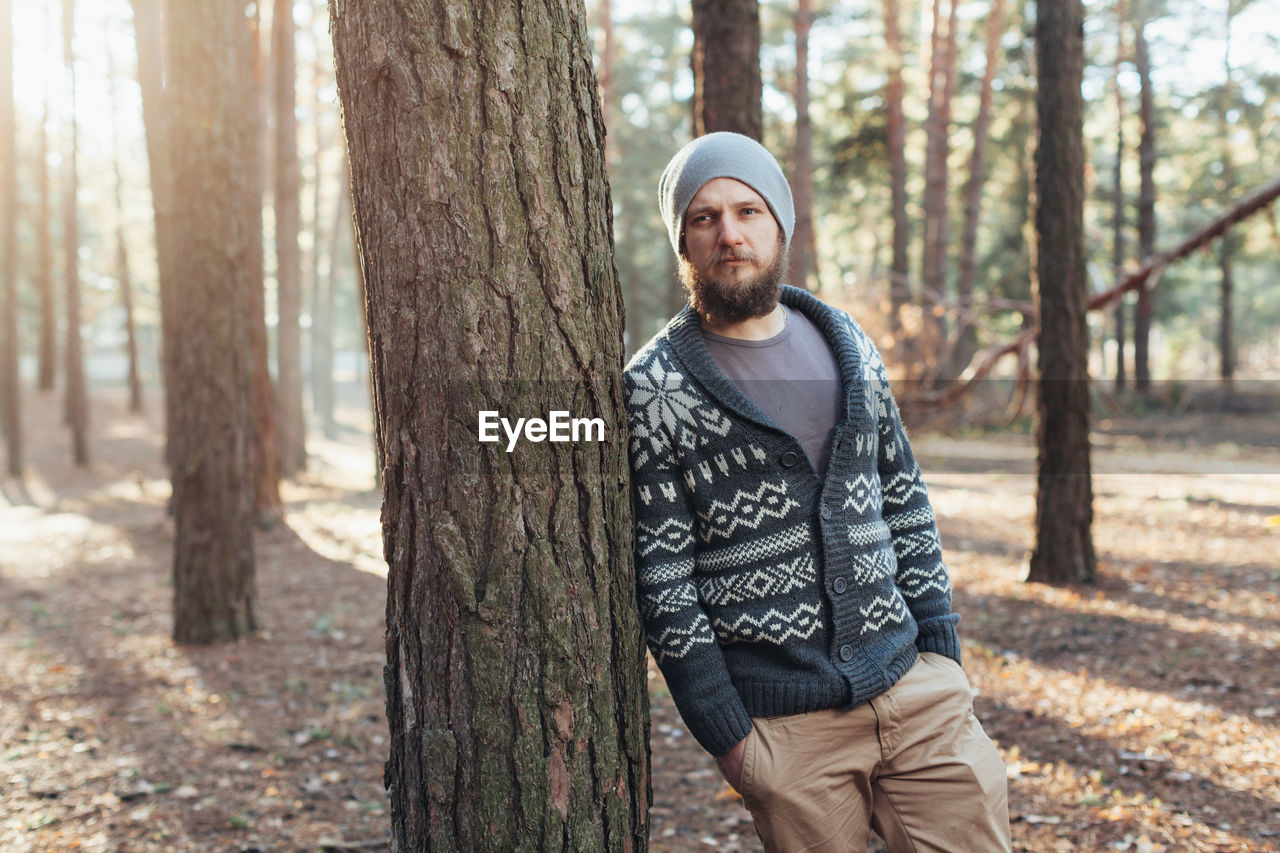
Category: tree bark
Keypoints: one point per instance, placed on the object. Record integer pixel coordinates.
(933, 275)
(268, 507)
(122, 248)
(1118, 223)
(1064, 493)
(211, 445)
(899, 271)
(1226, 326)
(1146, 207)
(515, 675)
(77, 403)
(10, 387)
(726, 67)
(147, 21)
(291, 421)
(804, 255)
(966, 335)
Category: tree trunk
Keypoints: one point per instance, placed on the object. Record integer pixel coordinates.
(1226, 330)
(9, 383)
(339, 235)
(899, 272)
(966, 343)
(1146, 207)
(268, 508)
(804, 255)
(122, 248)
(291, 422)
(726, 67)
(320, 334)
(44, 274)
(1064, 492)
(515, 676)
(151, 83)
(77, 403)
(211, 446)
(933, 276)
(1118, 219)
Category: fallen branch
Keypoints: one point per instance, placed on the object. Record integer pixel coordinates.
(1147, 276)
(1258, 200)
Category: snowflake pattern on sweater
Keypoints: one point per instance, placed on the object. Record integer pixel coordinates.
(763, 590)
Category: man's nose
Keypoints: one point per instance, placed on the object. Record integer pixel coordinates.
(730, 233)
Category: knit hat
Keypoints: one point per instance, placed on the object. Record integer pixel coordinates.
(723, 155)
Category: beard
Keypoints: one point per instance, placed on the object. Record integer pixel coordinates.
(722, 301)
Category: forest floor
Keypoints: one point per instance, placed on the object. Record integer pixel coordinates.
(1140, 713)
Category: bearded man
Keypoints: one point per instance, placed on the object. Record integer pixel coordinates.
(789, 568)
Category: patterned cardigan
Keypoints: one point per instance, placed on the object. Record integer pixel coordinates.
(765, 592)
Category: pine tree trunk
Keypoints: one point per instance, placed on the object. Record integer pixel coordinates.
(291, 421)
(515, 675)
(1146, 208)
(896, 134)
(1064, 493)
(268, 507)
(148, 29)
(933, 275)
(10, 387)
(122, 248)
(48, 344)
(211, 445)
(726, 67)
(339, 235)
(804, 242)
(966, 335)
(1226, 325)
(77, 403)
(1118, 218)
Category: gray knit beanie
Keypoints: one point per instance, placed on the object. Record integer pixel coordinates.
(723, 155)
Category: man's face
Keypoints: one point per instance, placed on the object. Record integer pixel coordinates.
(733, 260)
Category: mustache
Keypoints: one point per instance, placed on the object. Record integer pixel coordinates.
(731, 255)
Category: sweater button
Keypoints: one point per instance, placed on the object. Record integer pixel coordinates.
(846, 653)
(789, 458)
(838, 586)
(825, 512)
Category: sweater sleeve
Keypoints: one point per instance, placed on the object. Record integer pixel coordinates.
(677, 628)
(922, 576)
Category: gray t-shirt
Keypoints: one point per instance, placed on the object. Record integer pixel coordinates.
(792, 377)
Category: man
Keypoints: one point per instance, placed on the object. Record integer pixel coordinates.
(789, 569)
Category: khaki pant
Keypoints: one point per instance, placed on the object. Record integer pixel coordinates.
(913, 763)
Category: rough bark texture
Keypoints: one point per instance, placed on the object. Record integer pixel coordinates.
(210, 448)
(147, 26)
(515, 676)
(1146, 207)
(726, 67)
(10, 389)
(1064, 493)
(267, 505)
(291, 421)
(896, 134)
(804, 255)
(77, 401)
(966, 341)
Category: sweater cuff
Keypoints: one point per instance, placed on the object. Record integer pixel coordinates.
(719, 729)
(939, 635)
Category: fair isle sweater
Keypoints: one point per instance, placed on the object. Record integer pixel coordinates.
(763, 590)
